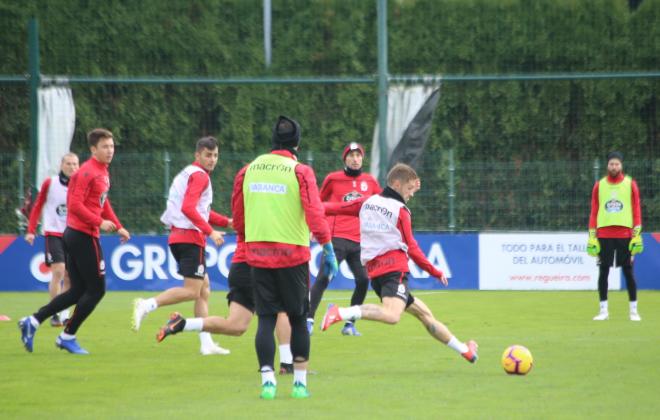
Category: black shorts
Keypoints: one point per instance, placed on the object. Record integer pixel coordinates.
(191, 259)
(54, 250)
(281, 290)
(240, 285)
(611, 246)
(393, 285)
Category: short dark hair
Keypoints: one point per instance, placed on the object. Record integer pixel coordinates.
(207, 142)
(94, 136)
(401, 172)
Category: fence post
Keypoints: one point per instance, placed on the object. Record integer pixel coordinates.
(166, 174)
(21, 186)
(452, 192)
(310, 158)
(596, 170)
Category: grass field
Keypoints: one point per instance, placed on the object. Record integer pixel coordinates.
(582, 368)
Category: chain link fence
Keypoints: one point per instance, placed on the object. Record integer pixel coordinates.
(455, 196)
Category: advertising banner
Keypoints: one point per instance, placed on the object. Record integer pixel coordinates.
(145, 263)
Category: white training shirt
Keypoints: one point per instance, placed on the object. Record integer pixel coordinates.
(379, 232)
(54, 212)
(173, 216)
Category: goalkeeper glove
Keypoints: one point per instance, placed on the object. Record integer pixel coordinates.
(593, 246)
(636, 245)
(330, 266)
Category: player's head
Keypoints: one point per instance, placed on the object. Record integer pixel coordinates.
(102, 144)
(614, 164)
(353, 156)
(286, 134)
(69, 164)
(404, 180)
(206, 152)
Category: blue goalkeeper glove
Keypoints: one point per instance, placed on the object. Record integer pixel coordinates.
(330, 266)
(636, 245)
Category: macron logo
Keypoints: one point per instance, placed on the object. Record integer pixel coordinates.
(264, 187)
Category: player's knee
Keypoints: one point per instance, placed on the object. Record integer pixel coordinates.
(392, 318)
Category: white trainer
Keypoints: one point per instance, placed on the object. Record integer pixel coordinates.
(603, 316)
(139, 313)
(634, 316)
(214, 349)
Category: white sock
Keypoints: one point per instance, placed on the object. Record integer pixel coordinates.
(206, 339)
(300, 376)
(34, 322)
(267, 375)
(194, 324)
(457, 345)
(633, 306)
(64, 314)
(350, 314)
(150, 304)
(285, 354)
(603, 306)
(65, 336)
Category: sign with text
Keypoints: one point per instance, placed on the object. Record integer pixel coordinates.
(538, 261)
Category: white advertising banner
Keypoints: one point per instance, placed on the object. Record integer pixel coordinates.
(539, 261)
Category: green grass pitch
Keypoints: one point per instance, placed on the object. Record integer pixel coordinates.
(582, 368)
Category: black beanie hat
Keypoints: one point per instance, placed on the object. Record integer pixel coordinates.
(615, 155)
(286, 133)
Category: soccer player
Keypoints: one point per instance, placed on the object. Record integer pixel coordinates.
(88, 212)
(241, 303)
(189, 216)
(615, 227)
(344, 186)
(276, 207)
(386, 244)
(52, 200)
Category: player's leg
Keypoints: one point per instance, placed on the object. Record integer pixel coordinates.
(268, 304)
(361, 284)
(322, 281)
(293, 284)
(29, 324)
(283, 334)
(392, 288)
(55, 288)
(192, 266)
(91, 267)
(207, 345)
(440, 332)
(625, 260)
(605, 261)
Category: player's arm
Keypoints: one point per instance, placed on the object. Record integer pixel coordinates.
(404, 225)
(326, 189)
(108, 213)
(636, 202)
(197, 183)
(311, 203)
(219, 219)
(237, 205)
(350, 208)
(36, 211)
(593, 216)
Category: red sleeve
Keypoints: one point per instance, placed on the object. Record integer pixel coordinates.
(593, 217)
(79, 186)
(314, 211)
(415, 253)
(349, 208)
(217, 219)
(326, 189)
(197, 183)
(237, 205)
(109, 214)
(636, 204)
(38, 205)
(377, 188)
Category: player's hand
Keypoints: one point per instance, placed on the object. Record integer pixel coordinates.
(107, 226)
(443, 279)
(593, 246)
(330, 265)
(124, 235)
(230, 223)
(636, 244)
(29, 238)
(418, 185)
(217, 237)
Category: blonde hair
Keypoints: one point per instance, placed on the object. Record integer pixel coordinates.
(401, 172)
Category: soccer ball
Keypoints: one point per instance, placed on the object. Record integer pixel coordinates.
(517, 360)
